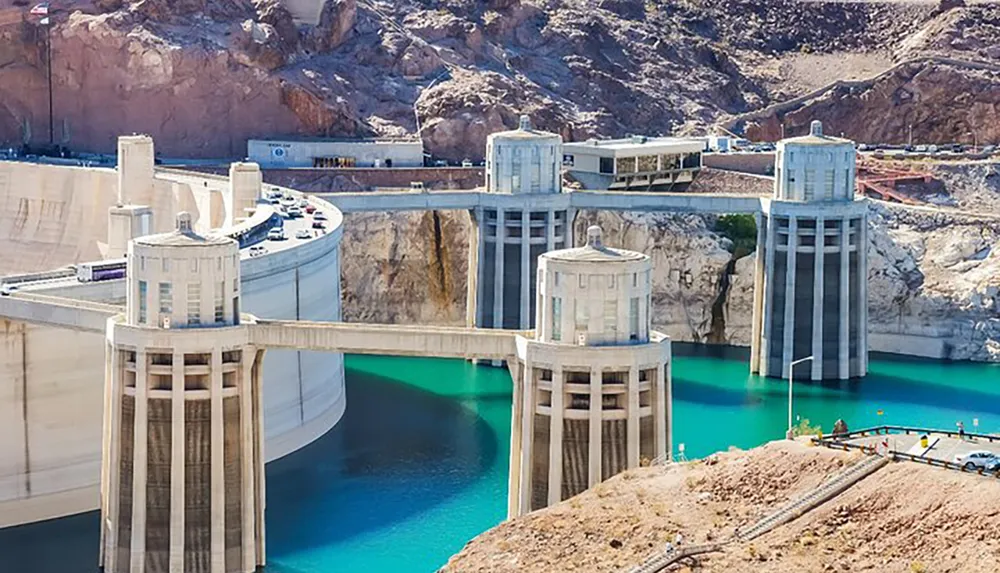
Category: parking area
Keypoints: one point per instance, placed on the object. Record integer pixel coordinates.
(941, 448)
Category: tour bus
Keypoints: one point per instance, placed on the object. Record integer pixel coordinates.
(101, 270)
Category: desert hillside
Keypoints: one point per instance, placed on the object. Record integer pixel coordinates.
(203, 76)
(904, 518)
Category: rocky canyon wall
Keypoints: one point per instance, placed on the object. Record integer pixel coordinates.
(934, 279)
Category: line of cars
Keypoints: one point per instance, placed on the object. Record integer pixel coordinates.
(288, 207)
(953, 148)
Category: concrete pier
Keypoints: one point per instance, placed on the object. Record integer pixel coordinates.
(811, 295)
(592, 389)
(527, 215)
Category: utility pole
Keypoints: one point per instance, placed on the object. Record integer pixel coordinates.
(909, 142)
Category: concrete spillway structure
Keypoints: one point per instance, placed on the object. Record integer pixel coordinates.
(592, 391)
(182, 473)
(527, 216)
(810, 293)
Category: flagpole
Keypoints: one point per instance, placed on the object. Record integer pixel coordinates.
(48, 40)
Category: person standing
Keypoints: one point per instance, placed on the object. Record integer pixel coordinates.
(961, 430)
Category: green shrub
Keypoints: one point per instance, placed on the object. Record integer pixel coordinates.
(741, 229)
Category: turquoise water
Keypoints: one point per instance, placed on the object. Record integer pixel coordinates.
(418, 465)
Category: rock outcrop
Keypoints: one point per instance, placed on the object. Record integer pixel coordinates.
(201, 77)
(934, 277)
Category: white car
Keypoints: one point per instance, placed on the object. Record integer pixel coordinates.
(294, 212)
(303, 234)
(319, 216)
(979, 459)
(276, 235)
(303, 203)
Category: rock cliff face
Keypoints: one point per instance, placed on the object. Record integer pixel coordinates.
(934, 279)
(201, 77)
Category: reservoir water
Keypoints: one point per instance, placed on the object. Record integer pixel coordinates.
(418, 465)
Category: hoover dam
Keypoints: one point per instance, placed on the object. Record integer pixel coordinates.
(55, 216)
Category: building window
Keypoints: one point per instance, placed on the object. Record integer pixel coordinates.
(536, 170)
(582, 318)
(583, 280)
(611, 316)
(236, 310)
(625, 165)
(194, 265)
(220, 288)
(166, 298)
(142, 302)
(828, 176)
(236, 285)
(611, 281)
(515, 176)
(556, 318)
(555, 279)
(142, 263)
(194, 303)
(809, 187)
(647, 163)
(635, 280)
(633, 318)
(607, 165)
(166, 265)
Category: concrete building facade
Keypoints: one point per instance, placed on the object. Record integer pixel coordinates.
(182, 473)
(637, 163)
(810, 293)
(526, 215)
(592, 390)
(245, 182)
(330, 153)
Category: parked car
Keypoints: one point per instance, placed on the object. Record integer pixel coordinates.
(989, 149)
(466, 163)
(303, 203)
(318, 225)
(276, 235)
(319, 216)
(303, 234)
(294, 212)
(921, 149)
(978, 459)
(310, 209)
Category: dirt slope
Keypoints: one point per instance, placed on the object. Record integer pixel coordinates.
(904, 518)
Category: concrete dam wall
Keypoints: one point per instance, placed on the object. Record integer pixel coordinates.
(52, 380)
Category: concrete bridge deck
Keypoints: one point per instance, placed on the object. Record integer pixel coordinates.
(56, 311)
(604, 200)
(386, 339)
(349, 338)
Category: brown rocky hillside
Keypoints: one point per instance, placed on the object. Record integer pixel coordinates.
(906, 518)
(203, 76)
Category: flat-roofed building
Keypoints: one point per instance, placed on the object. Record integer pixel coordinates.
(335, 153)
(635, 163)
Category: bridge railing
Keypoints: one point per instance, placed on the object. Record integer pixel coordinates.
(890, 429)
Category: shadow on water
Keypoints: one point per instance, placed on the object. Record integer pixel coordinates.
(397, 452)
(876, 387)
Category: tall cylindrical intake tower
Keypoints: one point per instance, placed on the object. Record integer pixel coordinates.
(592, 387)
(182, 480)
(811, 289)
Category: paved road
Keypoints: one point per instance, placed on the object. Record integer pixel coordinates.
(941, 447)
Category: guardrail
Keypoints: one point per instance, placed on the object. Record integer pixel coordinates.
(885, 430)
(837, 442)
(674, 555)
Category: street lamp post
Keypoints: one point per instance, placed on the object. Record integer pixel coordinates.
(790, 435)
(909, 141)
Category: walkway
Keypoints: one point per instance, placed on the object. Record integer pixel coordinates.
(386, 339)
(605, 200)
(56, 311)
(349, 338)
